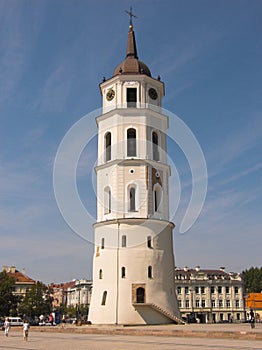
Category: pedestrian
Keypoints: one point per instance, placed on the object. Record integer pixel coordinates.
(7, 326)
(63, 321)
(25, 330)
(252, 318)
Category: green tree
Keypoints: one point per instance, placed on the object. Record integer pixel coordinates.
(37, 301)
(8, 301)
(253, 279)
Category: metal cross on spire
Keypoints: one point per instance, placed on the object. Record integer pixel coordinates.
(130, 13)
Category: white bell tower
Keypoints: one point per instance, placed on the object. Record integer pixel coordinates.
(133, 265)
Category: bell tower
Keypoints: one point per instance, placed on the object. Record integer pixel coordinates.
(133, 264)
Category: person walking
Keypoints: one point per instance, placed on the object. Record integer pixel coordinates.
(25, 330)
(7, 326)
(252, 318)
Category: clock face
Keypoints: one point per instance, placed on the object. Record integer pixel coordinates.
(110, 94)
(152, 93)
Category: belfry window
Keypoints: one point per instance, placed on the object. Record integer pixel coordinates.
(132, 199)
(123, 272)
(149, 241)
(107, 200)
(123, 241)
(155, 146)
(131, 97)
(102, 243)
(131, 142)
(108, 146)
(104, 298)
(149, 272)
(100, 274)
(157, 198)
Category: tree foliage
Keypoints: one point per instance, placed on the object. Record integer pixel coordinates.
(253, 279)
(37, 301)
(8, 301)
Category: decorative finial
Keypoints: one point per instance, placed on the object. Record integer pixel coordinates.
(130, 13)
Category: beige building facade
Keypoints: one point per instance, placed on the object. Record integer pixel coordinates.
(210, 296)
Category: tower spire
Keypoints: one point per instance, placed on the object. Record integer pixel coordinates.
(131, 50)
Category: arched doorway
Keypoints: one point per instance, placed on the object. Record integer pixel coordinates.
(140, 295)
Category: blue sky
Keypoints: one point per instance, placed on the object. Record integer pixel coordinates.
(53, 55)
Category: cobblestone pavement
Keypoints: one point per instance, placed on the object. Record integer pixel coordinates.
(46, 340)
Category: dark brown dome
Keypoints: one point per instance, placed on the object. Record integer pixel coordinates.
(131, 65)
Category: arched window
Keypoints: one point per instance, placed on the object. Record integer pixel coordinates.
(104, 298)
(155, 146)
(149, 242)
(123, 272)
(124, 241)
(157, 198)
(131, 142)
(100, 274)
(132, 199)
(102, 243)
(108, 146)
(140, 295)
(149, 272)
(107, 200)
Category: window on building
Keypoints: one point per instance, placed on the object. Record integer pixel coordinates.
(131, 142)
(149, 242)
(220, 303)
(221, 317)
(227, 289)
(104, 298)
(179, 290)
(108, 146)
(132, 199)
(131, 97)
(213, 303)
(107, 200)
(236, 290)
(238, 316)
(197, 290)
(202, 290)
(123, 241)
(186, 290)
(237, 304)
(155, 146)
(219, 289)
(187, 303)
(157, 197)
(179, 303)
(102, 243)
(100, 274)
(228, 303)
(212, 289)
(149, 272)
(203, 303)
(123, 272)
(197, 303)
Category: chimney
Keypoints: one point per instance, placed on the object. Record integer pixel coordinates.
(222, 268)
(12, 269)
(186, 268)
(23, 271)
(197, 268)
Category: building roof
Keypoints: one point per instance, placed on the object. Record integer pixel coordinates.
(19, 276)
(208, 273)
(131, 65)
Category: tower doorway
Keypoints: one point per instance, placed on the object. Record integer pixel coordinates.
(140, 295)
